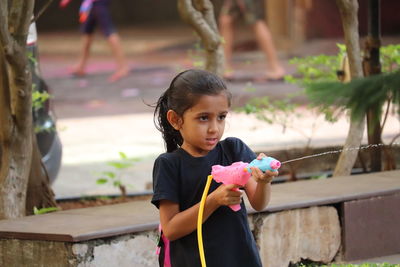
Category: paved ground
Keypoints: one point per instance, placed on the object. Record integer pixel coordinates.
(98, 119)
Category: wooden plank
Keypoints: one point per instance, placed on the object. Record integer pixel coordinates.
(90, 223)
(83, 224)
(371, 227)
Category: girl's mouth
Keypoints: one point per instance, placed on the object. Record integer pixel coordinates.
(211, 141)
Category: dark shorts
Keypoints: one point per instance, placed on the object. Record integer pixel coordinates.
(99, 15)
(249, 10)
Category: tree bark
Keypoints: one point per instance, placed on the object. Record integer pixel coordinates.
(16, 132)
(39, 192)
(349, 13)
(200, 15)
(372, 66)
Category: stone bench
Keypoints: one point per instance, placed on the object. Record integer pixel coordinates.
(343, 218)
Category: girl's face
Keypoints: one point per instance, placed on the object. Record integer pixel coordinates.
(202, 125)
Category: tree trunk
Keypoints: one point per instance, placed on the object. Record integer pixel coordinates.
(39, 192)
(16, 132)
(200, 15)
(372, 66)
(15, 141)
(349, 13)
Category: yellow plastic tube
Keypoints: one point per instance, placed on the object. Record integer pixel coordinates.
(200, 221)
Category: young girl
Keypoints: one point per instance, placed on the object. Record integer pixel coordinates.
(191, 117)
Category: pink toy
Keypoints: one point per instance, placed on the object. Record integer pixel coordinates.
(233, 174)
(239, 172)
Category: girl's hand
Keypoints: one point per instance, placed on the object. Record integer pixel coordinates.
(225, 195)
(263, 177)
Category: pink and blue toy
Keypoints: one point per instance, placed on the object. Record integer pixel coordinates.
(239, 172)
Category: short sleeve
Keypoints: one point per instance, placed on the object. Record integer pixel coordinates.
(165, 181)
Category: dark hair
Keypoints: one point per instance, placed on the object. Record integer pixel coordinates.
(183, 93)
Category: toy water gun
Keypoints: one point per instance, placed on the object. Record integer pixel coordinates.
(84, 10)
(238, 173)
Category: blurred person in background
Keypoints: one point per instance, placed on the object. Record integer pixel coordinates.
(91, 14)
(252, 13)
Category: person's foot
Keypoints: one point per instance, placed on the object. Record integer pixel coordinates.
(119, 74)
(276, 74)
(77, 72)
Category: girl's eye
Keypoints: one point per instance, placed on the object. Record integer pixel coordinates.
(222, 117)
(203, 118)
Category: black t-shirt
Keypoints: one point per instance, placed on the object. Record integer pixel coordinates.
(227, 238)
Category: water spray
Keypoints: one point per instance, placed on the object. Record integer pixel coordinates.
(337, 151)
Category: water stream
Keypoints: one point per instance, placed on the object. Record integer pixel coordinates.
(338, 151)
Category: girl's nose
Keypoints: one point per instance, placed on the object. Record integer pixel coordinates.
(213, 127)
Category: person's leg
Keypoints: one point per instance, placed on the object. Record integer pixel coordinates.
(226, 29)
(80, 68)
(116, 48)
(264, 39)
(87, 30)
(105, 22)
(228, 14)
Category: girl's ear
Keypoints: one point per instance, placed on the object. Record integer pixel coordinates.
(174, 119)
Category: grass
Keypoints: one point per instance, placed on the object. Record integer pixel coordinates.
(350, 265)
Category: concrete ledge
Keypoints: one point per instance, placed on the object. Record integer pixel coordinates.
(292, 235)
(333, 190)
(83, 224)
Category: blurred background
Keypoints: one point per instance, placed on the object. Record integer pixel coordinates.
(97, 119)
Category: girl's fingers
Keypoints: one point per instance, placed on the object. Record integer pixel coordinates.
(271, 173)
(260, 156)
(266, 177)
(256, 172)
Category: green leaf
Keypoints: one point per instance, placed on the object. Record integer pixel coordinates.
(101, 180)
(37, 211)
(375, 89)
(109, 174)
(119, 165)
(122, 155)
(38, 99)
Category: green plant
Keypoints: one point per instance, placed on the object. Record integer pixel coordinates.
(351, 265)
(390, 57)
(320, 176)
(364, 265)
(115, 176)
(281, 112)
(311, 69)
(37, 211)
(38, 98)
(318, 69)
(196, 55)
(317, 75)
(314, 69)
